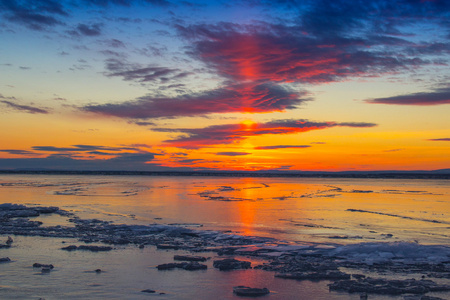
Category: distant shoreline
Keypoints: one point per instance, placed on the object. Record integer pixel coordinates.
(348, 174)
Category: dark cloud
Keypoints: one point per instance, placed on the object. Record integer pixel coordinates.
(17, 152)
(189, 161)
(356, 124)
(179, 154)
(88, 30)
(102, 153)
(330, 18)
(25, 108)
(82, 157)
(436, 97)
(152, 51)
(35, 14)
(158, 2)
(236, 98)
(145, 74)
(121, 55)
(139, 73)
(342, 17)
(43, 14)
(281, 147)
(394, 150)
(194, 138)
(80, 148)
(233, 153)
(440, 140)
(121, 162)
(114, 43)
(106, 3)
(143, 123)
(139, 146)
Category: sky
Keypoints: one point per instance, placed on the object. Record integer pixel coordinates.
(244, 85)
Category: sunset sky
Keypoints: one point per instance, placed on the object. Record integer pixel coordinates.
(286, 85)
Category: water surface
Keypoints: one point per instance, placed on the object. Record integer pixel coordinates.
(311, 210)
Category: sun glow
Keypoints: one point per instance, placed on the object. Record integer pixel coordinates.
(248, 125)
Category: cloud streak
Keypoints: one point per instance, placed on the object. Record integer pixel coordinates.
(17, 152)
(80, 148)
(25, 108)
(87, 30)
(436, 97)
(195, 138)
(233, 153)
(139, 73)
(259, 98)
(276, 147)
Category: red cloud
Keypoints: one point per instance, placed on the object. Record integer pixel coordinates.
(280, 53)
(227, 134)
(259, 62)
(246, 97)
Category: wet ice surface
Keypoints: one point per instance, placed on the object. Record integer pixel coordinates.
(366, 224)
(307, 261)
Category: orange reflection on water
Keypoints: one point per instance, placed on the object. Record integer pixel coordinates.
(262, 210)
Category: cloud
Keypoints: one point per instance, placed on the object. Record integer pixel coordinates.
(159, 2)
(194, 138)
(440, 140)
(394, 150)
(139, 73)
(325, 18)
(356, 124)
(262, 64)
(233, 153)
(152, 51)
(281, 53)
(17, 152)
(106, 3)
(340, 17)
(36, 15)
(78, 151)
(82, 157)
(87, 30)
(80, 148)
(114, 43)
(122, 162)
(436, 97)
(253, 98)
(281, 147)
(25, 108)
(143, 123)
(189, 161)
